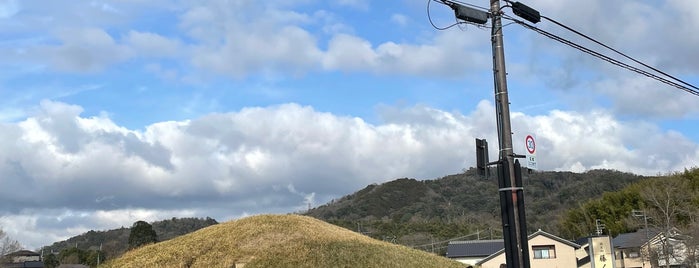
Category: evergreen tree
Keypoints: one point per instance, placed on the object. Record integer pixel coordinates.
(72, 255)
(142, 233)
(50, 261)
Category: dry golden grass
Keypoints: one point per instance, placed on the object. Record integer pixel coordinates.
(277, 241)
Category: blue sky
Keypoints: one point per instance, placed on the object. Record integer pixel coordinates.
(118, 111)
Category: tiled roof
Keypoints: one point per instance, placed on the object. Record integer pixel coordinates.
(474, 248)
(23, 253)
(633, 240)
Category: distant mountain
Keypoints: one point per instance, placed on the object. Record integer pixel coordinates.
(416, 212)
(115, 242)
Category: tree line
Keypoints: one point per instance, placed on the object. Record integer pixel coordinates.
(94, 247)
(668, 205)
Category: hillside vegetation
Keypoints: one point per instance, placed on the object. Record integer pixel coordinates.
(415, 213)
(277, 241)
(667, 201)
(115, 242)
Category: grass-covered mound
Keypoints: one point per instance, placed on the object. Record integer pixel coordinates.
(277, 241)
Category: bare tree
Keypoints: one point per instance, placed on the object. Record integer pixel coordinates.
(7, 244)
(691, 243)
(669, 202)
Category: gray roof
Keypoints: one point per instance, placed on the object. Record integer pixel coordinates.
(23, 253)
(474, 248)
(633, 240)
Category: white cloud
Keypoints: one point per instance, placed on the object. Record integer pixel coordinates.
(278, 158)
(658, 100)
(59, 168)
(645, 35)
(290, 49)
(583, 141)
(40, 227)
(450, 49)
(264, 41)
(399, 19)
(84, 50)
(348, 52)
(153, 45)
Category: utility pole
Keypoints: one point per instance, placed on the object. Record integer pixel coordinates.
(511, 192)
(514, 223)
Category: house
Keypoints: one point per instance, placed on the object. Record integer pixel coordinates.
(473, 251)
(647, 248)
(22, 258)
(628, 249)
(545, 250)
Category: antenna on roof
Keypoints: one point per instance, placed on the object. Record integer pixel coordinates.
(599, 226)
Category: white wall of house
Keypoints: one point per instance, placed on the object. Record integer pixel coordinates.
(631, 258)
(543, 252)
(19, 259)
(469, 261)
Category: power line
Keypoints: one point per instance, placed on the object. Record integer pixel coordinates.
(452, 239)
(451, 4)
(604, 57)
(429, 17)
(466, 4)
(618, 52)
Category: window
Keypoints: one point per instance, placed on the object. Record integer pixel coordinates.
(634, 254)
(544, 252)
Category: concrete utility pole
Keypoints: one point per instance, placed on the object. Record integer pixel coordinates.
(514, 223)
(511, 194)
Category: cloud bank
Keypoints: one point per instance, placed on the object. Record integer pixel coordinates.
(59, 168)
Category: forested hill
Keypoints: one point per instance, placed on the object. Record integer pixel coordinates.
(464, 202)
(115, 242)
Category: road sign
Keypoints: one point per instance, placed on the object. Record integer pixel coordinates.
(530, 146)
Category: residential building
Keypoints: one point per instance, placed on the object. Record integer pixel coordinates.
(652, 248)
(545, 250)
(628, 249)
(22, 259)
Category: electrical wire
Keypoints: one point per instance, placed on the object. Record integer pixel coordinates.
(450, 3)
(429, 17)
(604, 57)
(618, 52)
(446, 241)
(468, 4)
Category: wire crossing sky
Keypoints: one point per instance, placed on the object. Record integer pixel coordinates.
(118, 111)
(678, 83)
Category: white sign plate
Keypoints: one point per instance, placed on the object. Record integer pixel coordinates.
(530, 146)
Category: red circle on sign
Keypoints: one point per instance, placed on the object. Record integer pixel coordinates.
(530, 144)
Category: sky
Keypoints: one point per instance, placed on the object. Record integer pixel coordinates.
(118, 111)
